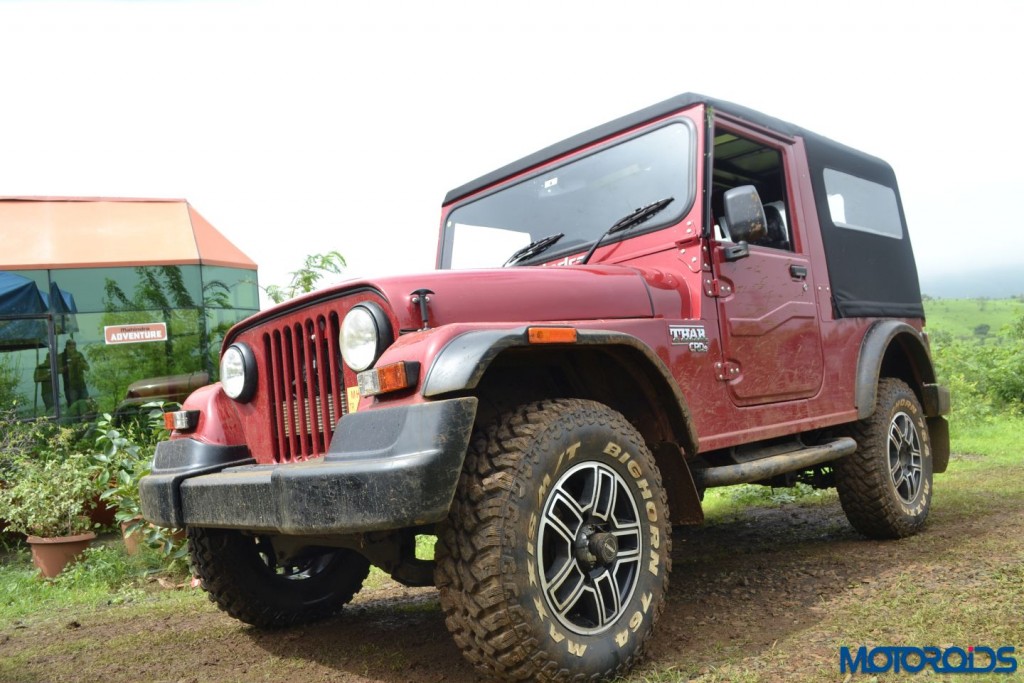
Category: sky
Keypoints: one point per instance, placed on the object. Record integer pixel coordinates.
(305, 127)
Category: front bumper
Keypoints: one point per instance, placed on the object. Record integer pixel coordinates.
(388, 468)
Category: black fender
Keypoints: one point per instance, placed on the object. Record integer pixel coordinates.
(873, 349)
(462, 363)
(920, 374)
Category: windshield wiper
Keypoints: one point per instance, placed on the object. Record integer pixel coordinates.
(641, 215)
(533, 248)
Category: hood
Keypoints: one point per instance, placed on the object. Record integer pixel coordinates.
(529, 294)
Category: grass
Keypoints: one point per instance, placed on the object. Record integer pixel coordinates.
(105, 576)
(998, 442)
(961, 317)
(721, 503)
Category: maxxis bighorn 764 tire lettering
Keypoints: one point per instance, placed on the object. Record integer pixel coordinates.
(242, 578)
(885, 486)
(553, 564)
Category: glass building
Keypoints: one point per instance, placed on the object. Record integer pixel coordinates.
(102, 300)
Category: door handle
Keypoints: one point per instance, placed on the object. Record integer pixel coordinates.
(798, 272)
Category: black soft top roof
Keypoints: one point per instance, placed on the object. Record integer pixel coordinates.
(637, 118)
(870, 275)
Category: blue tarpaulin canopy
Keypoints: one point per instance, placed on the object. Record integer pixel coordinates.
(62, 304)
(20, 298)
(19, 295)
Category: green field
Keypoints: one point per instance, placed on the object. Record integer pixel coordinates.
(960, 318)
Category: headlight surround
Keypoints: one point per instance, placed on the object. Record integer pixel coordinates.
(238, 372)
(365, 334)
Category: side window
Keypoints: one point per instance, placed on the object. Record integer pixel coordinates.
(741, 161)
(862, 205)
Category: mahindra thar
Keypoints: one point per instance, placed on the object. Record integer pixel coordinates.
(693, 295)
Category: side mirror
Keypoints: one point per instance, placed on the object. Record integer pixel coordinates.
(745, 214)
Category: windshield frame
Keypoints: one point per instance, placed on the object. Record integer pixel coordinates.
(680, 209)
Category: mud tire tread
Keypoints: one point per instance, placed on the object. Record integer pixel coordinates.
(863, 480)
(226, 562)
(484, 608)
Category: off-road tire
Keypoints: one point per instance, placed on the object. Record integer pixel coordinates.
(885, 486)
(525, 490)
(238, 572)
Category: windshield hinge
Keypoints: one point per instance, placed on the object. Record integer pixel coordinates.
(715, 287)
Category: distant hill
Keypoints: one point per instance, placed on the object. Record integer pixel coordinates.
(994, 283)
(971, 318)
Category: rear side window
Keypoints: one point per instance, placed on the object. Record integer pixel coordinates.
(862, 205)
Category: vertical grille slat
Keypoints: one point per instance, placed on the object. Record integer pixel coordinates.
(305, 385)
(310, 404)
(339, 401)
(325, 381)
(290, 399)
(298, 392)
(271, 351)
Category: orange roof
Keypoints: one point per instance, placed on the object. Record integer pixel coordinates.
(79, 232)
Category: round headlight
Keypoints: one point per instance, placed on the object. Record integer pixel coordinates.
(238, 372)
(365, 333)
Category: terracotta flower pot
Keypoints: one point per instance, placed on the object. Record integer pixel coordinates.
(51, 555)
(131, 540)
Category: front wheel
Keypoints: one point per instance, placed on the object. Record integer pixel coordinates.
(885, 486)
(553, 563)
(244, 578)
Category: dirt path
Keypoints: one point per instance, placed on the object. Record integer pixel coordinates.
(738, 587)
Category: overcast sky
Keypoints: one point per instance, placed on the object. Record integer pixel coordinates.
(302, 127)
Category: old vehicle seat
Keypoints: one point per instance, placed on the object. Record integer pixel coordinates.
(777, 236)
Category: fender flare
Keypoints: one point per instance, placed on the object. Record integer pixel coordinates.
(877, 341)
(463, 361)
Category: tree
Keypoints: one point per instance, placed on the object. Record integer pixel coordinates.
(160, 294)
(305, 279)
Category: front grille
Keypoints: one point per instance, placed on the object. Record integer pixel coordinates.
(305, 385)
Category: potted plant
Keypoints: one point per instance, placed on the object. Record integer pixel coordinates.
(125, 456)
(47, 496)
(122, 494)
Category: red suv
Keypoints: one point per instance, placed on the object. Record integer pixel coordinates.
(693, 295)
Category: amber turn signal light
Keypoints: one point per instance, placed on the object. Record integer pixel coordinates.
(551, 335)
(388, 378)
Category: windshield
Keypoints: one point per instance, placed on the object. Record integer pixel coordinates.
(580, 199)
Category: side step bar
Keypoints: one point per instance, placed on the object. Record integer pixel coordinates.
(767, 467)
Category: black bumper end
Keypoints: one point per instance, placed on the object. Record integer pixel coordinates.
(388, 468)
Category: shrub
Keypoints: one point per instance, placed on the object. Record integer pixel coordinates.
(126, 455)
(985, 376)
(48, 495)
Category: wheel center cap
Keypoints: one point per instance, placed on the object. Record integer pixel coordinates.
(605, 547)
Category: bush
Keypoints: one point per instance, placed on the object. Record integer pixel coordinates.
(46, 485)
(45, 467)
(126, 455)
(985, 376)
(49, 495)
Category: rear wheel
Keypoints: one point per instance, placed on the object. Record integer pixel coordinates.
(885, 486)
(243, 577)
(554, 561)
